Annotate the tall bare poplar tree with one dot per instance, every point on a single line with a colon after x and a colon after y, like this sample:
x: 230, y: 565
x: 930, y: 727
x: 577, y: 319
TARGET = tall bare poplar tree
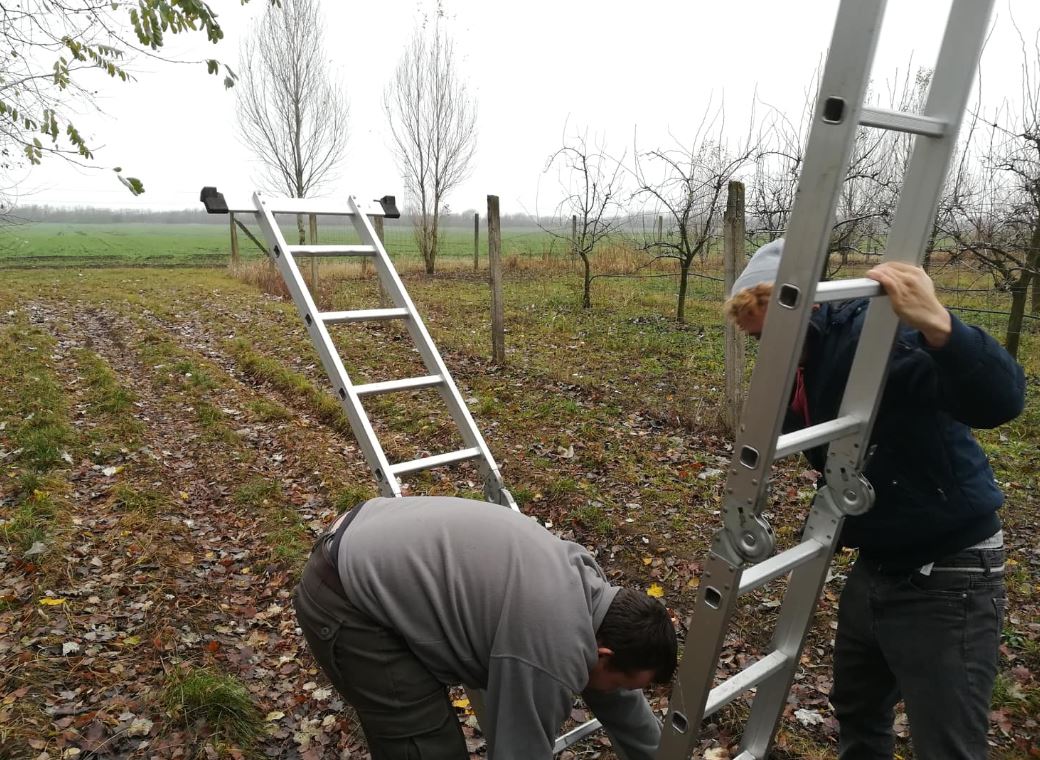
x: 291, y: 112
x: 433, y: 121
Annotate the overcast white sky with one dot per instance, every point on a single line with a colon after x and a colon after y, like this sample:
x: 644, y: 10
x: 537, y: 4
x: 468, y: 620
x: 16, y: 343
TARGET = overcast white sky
x: 533, y: 66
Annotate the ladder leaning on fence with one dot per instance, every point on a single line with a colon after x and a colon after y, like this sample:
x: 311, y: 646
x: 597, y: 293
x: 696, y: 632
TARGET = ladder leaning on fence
x: 319, y: 323
x: 746, y: 536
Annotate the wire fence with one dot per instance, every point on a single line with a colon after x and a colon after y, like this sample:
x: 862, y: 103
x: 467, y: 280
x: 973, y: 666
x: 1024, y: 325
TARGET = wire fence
x: 964, y: 285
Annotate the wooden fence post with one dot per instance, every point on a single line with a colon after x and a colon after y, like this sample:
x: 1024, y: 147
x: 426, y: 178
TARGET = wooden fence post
x: 498, y: 338
x: 234, y: 240
x: 313, y: 222
x: 1035, y: 308
x: 476, y: 240
x: 733, y: 254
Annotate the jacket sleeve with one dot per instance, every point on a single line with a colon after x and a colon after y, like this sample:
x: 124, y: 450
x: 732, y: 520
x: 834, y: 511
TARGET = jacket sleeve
x: 972, y: 377
x: 525, y: 708
x: 628, y: 720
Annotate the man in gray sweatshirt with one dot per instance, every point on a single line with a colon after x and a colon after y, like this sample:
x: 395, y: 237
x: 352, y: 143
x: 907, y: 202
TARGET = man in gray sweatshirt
x: 406, y: 596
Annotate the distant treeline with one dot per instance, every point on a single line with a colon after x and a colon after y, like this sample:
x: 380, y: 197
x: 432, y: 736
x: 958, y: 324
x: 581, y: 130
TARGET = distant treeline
x: 88, y: 215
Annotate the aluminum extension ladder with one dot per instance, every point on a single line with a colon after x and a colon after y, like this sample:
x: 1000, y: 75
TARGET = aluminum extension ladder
x: 746, y: 536
x: 284, y: 255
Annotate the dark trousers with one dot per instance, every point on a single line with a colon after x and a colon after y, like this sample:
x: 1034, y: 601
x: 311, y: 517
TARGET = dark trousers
x: 405, y: 712
x: 931, y: 640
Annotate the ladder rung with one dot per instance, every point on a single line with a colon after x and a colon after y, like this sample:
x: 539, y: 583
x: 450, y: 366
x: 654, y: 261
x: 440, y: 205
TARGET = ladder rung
x: 332, y: 250
x: 323, y: 206
x: 575, y: 735
x: 814, y: 435
x: 748, y: 678
x: 435, y: 461
x: 406, y: 384
x: 900, y: 121
x: 779, y: 564
x: 844, y: 290
x: 361, y: 315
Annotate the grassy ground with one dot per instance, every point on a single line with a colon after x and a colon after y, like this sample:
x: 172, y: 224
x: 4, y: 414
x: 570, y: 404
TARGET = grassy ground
x: 169, y: 451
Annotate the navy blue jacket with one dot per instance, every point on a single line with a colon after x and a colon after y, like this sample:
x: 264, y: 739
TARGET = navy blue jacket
x: 935, y: 491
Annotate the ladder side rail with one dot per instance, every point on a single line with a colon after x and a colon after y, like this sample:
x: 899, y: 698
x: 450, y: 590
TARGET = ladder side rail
x: 915, y: 214
x: 707, y: 629
x: 494, y: 487
x: 796, y: 616
x: 699, y: 663
x: 827, y: 155
x: 322, y: 341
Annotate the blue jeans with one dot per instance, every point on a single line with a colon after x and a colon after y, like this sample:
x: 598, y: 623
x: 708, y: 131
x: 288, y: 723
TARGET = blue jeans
x: 930, y: 640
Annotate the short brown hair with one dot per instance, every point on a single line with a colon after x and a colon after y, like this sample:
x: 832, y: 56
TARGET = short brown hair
x: 639, y: 630
x: 753, y: 299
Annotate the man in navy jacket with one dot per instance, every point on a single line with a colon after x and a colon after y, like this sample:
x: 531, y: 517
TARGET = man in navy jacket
x: 922, y: 609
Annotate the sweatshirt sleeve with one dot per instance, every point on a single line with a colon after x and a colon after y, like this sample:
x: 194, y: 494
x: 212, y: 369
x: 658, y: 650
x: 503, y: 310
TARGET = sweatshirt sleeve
x: 628, y: 720
x: 525, y: 708
x: 979, y: 383
x: 971, y: 378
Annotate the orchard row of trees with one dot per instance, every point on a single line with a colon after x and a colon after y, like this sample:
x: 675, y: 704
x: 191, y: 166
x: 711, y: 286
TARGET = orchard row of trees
x: 988, y: 214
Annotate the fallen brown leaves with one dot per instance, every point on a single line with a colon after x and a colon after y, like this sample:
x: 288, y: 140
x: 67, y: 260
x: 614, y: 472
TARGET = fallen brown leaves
x: 168, y: 559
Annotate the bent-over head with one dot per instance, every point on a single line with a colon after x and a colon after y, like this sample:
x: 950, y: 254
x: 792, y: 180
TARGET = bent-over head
x: 637, y: 644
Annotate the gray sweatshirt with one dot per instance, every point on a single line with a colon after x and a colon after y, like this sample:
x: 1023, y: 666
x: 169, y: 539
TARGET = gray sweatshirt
x: 488, y: 598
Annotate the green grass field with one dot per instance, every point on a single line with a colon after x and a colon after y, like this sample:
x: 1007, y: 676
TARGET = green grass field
x: 134, y: 244
x: 41, y: 244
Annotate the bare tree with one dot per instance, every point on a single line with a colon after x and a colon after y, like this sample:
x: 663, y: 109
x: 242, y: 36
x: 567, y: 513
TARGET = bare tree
x: 996, y: 218
x: 778, y: 164
x: 1017, y: 157
x: 291, y: 112
x: 433, y: 122
x: 592, y: 186
x: 687, y: 184
x: 872, y: 182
